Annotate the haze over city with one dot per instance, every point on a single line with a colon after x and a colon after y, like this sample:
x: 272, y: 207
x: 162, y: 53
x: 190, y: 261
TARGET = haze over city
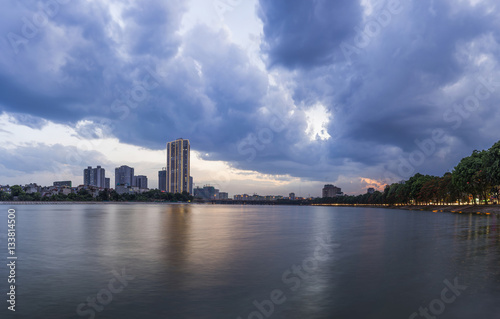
x: 274, y: 96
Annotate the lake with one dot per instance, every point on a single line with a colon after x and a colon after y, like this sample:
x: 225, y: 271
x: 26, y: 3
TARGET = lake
x: 223, y: 261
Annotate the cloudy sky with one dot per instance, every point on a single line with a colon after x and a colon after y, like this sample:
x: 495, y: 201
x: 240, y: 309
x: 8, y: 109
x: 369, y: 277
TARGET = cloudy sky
x: 275, y: 95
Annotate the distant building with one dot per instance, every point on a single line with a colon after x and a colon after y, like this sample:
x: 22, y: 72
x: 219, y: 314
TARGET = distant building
x: 223, y: 195
x: 370, y: 190
x: 31, y: 188
x: 107, y: 182
x: 94, y: 177
x: 63, y: 183
x: 162, y: 180
x: 243, y: 197
x: 178, y: 166
x: 140, y: 181
x: 191, y: 185
x: 331, y: 191
x: 65, y: 190
x: 124, y: 189
x: 5, y: 188
x: 207, y: 192
x: 291, y: 196
x: 124, y: 175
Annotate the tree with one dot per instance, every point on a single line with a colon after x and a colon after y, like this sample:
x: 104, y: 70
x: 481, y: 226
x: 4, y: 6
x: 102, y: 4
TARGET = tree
x: 103, y: 195
x: 470, y: 176
x: 16, y: 190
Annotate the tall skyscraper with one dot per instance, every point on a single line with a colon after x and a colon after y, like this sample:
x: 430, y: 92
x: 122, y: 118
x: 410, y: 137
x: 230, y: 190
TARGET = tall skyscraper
x: 162, y: 180
x: 124, y: 175
x: 140, y: 181
x: 178, y: 166
x: 94, y: 177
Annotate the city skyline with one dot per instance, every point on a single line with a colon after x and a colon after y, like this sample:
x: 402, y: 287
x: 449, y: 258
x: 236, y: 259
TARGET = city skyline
x: 272, y: 100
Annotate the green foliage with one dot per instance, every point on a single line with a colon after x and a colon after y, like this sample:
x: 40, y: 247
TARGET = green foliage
x: 16, y: 190
x: 84, y: 195
x: 471, y: 176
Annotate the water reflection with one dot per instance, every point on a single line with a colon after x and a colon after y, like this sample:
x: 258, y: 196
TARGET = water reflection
x: 197, y: 261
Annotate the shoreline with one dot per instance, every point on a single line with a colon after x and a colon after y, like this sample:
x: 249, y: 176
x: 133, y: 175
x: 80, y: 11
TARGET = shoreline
x: 487, y: 210
x: 84, y: 203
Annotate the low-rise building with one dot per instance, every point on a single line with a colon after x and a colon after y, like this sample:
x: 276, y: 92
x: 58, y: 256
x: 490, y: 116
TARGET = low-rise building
x: 223, y: 195
x: 207, y: 192
x: 31, y: 188
x: 331, y: 191
x: 63, y: 183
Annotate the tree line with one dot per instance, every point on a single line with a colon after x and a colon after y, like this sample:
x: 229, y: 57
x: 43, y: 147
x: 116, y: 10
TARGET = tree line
x: 83, y: 195
x: 476, y: 180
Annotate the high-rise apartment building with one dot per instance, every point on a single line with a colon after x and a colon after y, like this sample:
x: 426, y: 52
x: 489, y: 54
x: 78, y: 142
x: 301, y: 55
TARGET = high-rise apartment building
x: 191, y: 185
x: 124, y: 175
x: 178, y: 166
x: 94, y: 177
x: 140, y: 181
x: 162, y: 180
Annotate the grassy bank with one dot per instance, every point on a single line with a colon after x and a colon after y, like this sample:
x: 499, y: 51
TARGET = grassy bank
x: 458, y: 209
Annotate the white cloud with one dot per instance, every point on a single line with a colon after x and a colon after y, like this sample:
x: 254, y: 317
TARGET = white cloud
x: 318, y: 118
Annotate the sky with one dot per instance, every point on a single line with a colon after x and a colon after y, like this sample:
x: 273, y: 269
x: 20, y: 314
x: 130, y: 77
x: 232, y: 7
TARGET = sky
x: 275, y: 96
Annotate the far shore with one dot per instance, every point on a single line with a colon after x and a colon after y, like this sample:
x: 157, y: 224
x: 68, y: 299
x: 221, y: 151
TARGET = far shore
x: 83, y: 203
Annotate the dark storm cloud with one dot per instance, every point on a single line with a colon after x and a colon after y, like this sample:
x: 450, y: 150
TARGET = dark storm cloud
x: 304, y: 33
x: 395, y: 88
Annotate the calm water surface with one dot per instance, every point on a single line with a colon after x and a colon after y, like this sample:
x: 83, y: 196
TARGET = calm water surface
x: 197, y: 261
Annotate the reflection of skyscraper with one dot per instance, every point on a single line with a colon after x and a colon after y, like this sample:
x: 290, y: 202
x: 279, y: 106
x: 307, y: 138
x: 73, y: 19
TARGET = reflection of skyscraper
x: 178, y: 166
x: 124, y: 175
